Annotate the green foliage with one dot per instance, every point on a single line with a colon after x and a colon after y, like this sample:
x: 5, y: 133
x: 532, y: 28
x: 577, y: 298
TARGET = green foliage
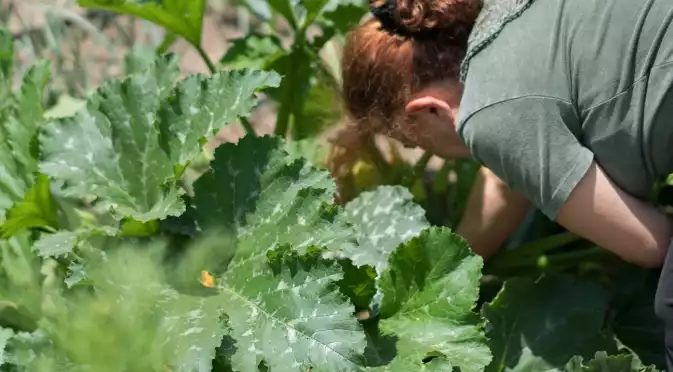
x: 112, y: 150
x: 311, y: 149
x: 429, y: 291
x: 633, y: 319
x: 182, y: 17
x: 541, y: 322
x: 98, y: 331
x: 308, y: 95
x: 264, y: 190
x: 37, y: 210
x: 254, y: 50
x: 296, y: 319
x: 6, y: 60
x: 604, y: 363
x: 5, y: 335
x: 24, y: 197
x: 246, y: 272
x: 383, y: 219
x: 139, y: 59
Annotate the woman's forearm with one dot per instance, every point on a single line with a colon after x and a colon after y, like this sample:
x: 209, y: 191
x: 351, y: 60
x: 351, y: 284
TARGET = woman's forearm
x: 598, y: 210
x: 492, y: 214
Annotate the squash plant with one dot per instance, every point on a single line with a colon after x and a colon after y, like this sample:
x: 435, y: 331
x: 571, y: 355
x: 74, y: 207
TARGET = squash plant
x: 108, y: 263
x: 253, y: 270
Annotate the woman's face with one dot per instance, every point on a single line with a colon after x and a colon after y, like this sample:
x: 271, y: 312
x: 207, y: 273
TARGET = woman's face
x: 431, y: 122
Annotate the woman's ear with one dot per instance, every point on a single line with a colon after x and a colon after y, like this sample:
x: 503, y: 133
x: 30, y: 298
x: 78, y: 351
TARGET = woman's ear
x: 427, y: 103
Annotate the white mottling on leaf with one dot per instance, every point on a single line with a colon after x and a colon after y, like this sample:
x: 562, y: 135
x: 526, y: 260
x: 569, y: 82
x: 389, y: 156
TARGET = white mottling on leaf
x: 291, y: 336
x: 192, y: 331
x: 281, y: 285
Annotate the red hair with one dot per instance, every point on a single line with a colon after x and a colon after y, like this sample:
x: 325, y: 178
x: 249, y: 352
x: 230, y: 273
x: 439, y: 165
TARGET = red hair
x: 381, y: 68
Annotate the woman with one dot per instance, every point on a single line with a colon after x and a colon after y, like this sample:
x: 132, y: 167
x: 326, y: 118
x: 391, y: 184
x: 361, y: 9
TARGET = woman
x: 568, y: 102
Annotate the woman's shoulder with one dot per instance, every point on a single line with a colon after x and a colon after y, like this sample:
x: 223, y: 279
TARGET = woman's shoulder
x: 494, y: 16
x: 513, y: 53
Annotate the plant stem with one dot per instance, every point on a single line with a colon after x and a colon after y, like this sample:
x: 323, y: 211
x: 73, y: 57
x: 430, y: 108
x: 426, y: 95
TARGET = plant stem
x: 535, y: 249
x: 206, y: 59
x: 287, y: 103
x: 284, y: 112
x: 247, y: 125
x: 168, y: 40
x: 422, y: 163
x: 555, y: 262
x: 573, y: 258
x: 374, y: 154
x: 441, y: 182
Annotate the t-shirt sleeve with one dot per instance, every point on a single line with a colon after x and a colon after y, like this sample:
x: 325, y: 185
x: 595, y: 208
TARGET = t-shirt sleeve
x: 528, y: 143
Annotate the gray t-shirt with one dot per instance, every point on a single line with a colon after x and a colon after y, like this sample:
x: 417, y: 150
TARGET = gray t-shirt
x: 570, y: 81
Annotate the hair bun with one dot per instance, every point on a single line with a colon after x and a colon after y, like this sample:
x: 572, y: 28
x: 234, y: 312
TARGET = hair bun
x: 449, y: 18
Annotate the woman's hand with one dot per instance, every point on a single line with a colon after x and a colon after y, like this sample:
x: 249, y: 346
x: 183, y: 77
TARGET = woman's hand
x: 492, y: 214
x: 598, y: 210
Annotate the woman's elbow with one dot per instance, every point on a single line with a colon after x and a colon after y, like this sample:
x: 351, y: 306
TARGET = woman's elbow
x: 652, y: 262
x: 651, y: 254
x: 657, y: 244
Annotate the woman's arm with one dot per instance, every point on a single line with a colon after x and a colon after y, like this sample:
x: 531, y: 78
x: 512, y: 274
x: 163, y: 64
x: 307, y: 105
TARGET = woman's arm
x: 528, y: 143
x: 492, y: 214
x: 601, y: 212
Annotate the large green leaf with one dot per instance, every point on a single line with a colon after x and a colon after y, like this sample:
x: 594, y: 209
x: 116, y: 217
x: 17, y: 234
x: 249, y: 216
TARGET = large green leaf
x: 430, y: 289
x: 200, y: 107
x: 625, y: 362
x: 183, y: 17
x: 268, y: 199
x: 20, y: 120
x: 539, y: 326
x: 112, y: 149
x: 131, y: 143
x: 383, y: 219
x: 289, y: 313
